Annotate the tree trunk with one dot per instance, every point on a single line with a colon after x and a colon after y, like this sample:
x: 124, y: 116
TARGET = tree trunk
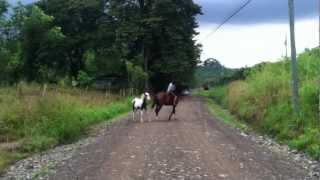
x: 76, y: 62
x: 144, y: 51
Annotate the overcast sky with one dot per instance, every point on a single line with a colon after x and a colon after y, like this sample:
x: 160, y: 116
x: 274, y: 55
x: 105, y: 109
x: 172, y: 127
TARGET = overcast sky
x: 256, y: 34
x: 23, y: 1
x: 258, y: 11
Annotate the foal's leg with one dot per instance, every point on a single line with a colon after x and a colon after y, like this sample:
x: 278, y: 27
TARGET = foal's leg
x: 147, y: 114
x: 133, y: 113
x: 141, y: 115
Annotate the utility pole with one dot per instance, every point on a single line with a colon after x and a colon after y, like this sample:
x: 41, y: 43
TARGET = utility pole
x: 286, y: 44
x: 295, y: 83
x: 319, y: 22
x: 319, y: 74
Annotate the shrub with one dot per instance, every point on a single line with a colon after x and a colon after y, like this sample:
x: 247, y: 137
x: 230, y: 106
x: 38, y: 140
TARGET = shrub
x: 84, y: 79
x: 137, y: 76
x: 38, y: 143
x: 309, y: 141
x: 62, y: 116
x: 264, y: 100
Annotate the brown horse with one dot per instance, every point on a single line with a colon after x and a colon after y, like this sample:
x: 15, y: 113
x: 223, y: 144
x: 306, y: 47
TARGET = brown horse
x: 165, y: 99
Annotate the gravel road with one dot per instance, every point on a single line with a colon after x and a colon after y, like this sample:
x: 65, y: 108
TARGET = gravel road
x: 194, y: 146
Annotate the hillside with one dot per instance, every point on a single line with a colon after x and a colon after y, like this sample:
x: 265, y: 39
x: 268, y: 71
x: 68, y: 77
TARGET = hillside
x: 212, y: 73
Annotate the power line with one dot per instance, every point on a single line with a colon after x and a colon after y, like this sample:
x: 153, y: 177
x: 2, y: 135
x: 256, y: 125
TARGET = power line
x: 227, y: 19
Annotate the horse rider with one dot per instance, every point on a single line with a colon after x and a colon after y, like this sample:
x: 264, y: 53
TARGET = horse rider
x: 171, y: 89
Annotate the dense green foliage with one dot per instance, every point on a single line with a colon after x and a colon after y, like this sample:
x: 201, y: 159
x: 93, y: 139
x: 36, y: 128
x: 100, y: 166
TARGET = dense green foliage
x: 264, y: 101
x: 64, y: 39
x: 81, y: 42
x: 212, y: 73
x: 62, y: 116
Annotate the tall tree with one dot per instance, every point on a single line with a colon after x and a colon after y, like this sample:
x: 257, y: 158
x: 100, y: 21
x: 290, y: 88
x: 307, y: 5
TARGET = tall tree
x: 20, y: 13
x: 159, y: 35
x: 176, y: 52
x: 103, y: 36
x: 3, y: 9
x: 41, y: 44
x: 79, y: 22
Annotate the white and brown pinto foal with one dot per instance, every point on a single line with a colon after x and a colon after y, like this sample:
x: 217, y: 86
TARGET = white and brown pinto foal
x: 140, y: 104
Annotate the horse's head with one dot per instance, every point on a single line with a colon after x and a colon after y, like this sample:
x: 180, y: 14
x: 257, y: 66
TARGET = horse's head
x: 147, y: 96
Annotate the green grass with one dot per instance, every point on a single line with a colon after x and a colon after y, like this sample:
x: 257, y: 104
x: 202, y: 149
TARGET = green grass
x: 62, y: 116
x: 221, y: 113
x: 263, y: 100
x: 6, y: 158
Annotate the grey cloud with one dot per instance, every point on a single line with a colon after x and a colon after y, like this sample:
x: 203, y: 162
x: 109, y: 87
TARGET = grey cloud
x: 258, y: 11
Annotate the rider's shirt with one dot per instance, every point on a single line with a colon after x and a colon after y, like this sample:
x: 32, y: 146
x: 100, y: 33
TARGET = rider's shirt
x: 171, y: 87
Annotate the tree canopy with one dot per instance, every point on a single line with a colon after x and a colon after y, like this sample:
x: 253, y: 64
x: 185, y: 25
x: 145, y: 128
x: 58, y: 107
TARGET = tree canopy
x: 57, y: 39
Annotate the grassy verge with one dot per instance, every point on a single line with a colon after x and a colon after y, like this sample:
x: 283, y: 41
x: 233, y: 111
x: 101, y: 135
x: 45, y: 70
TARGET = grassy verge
x: 263, y: 101
x: 41, y: 122
x: 221, y: 113
x: 7, y: 158
x: 287, y: 129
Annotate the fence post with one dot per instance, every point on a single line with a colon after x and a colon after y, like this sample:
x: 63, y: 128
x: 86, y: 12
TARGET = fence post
x: 106, y: 93
x: 19, y: 90
x: 44, y: 90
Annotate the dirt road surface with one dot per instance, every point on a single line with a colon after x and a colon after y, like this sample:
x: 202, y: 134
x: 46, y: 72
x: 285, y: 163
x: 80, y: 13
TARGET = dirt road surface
x: 195, y: 146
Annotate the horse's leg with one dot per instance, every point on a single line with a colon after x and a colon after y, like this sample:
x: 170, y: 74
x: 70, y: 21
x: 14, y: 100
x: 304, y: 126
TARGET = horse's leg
x: 158, y: 108
x: 157, y: 111
x: 173, y: 112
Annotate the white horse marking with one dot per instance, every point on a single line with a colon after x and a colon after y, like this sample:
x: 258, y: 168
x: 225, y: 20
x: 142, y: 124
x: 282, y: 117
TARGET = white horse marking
x: 141, y: 105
